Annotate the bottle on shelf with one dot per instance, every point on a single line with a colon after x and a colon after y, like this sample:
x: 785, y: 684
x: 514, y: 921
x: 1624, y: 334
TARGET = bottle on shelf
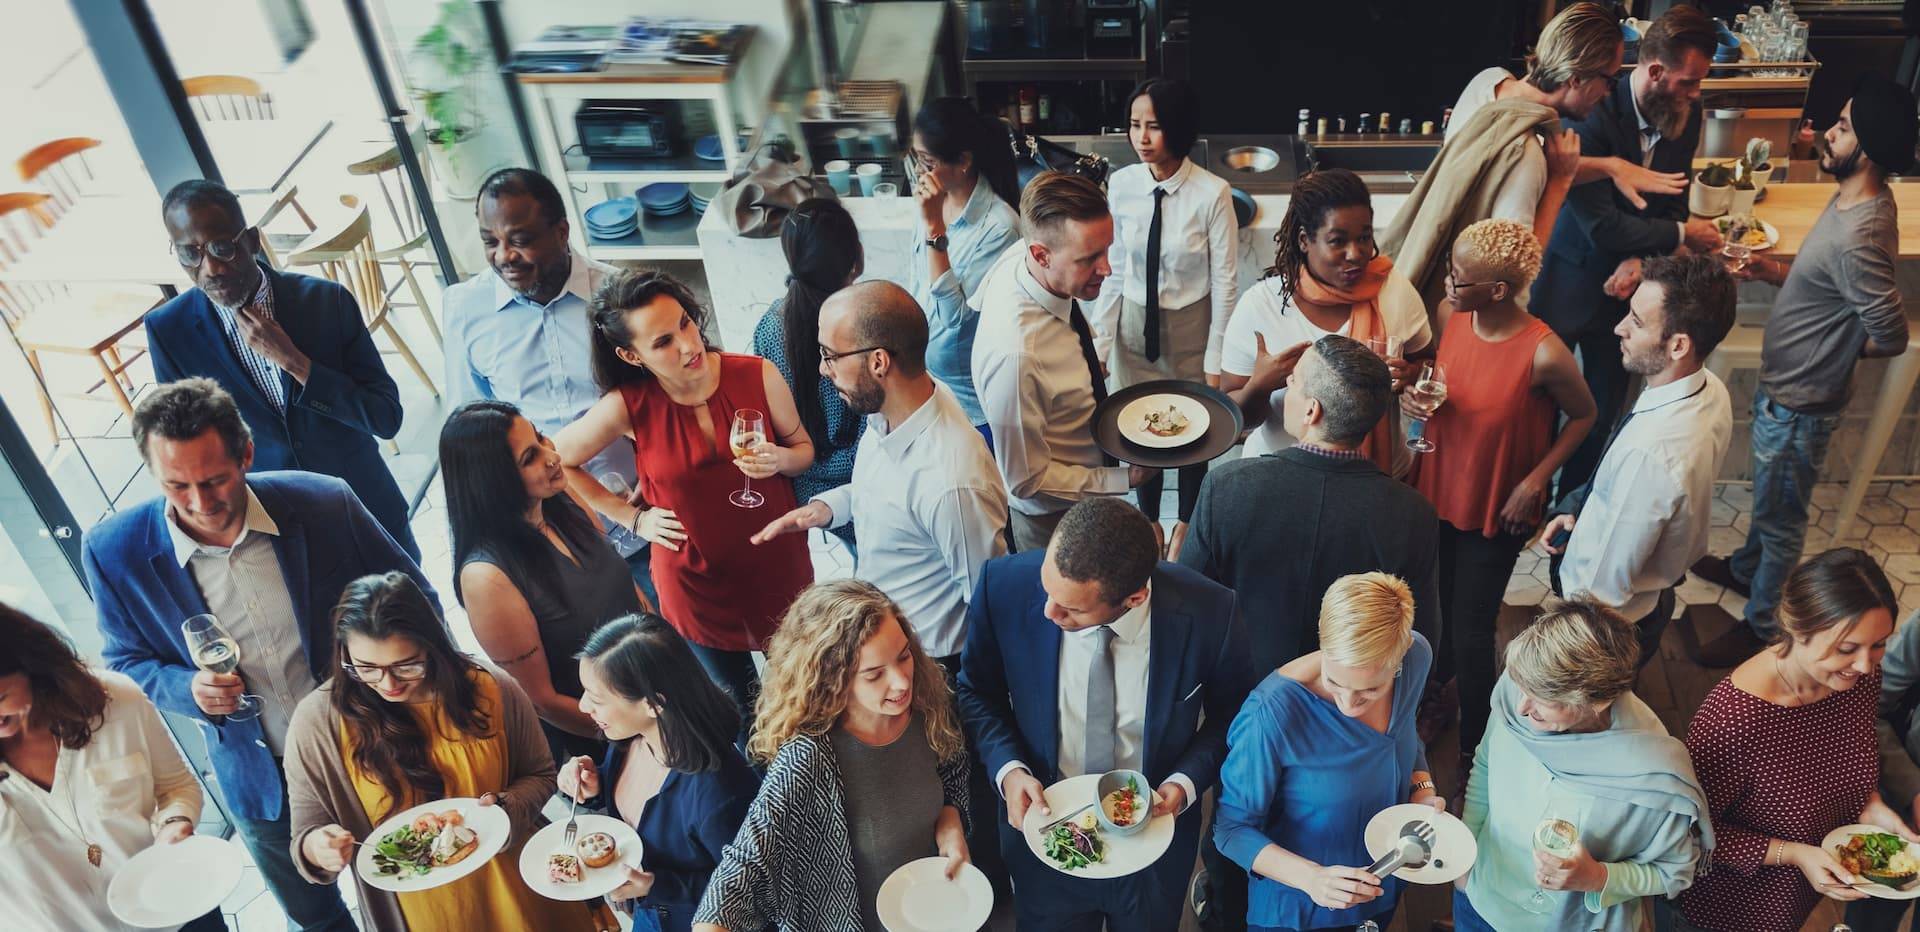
x: 1029, y: 106
x: 1305, y: 114
x: 1385, y: 121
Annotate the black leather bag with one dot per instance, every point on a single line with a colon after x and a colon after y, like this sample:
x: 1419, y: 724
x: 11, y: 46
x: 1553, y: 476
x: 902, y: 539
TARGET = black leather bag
x: 1033, y: 155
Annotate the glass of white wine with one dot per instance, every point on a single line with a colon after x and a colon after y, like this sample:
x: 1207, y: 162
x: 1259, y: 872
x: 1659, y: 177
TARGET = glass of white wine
x: 214, y: 650
x: 1429, y: 392
x: 1556, y: 834
x: 749, y: 429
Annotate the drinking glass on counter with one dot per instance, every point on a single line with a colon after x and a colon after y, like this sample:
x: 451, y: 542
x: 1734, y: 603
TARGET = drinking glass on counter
x: 1428, y: 391
x: 215, y: 651
x: 886, y: 189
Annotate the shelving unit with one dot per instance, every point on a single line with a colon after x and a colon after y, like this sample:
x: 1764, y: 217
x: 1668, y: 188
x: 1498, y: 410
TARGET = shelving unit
x: 553, y: 99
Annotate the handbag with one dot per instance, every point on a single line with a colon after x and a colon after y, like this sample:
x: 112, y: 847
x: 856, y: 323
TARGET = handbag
x: 774, y: 181
x: 1033, y: 155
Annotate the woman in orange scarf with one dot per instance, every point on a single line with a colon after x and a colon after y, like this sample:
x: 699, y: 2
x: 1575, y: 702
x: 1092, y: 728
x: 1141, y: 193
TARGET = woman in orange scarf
x: 1327, y: 277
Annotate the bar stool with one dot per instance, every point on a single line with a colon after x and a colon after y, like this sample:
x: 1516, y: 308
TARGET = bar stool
x: 1896, y: 386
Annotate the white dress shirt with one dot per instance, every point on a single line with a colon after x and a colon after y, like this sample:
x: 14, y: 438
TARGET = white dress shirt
x: 245, y: 589
x: 1647, y: 518
x: 1131, y: 650
x: 116, y: 793
x: 1199, y: 244
x: 928, y: 509
x: 1036, y: 392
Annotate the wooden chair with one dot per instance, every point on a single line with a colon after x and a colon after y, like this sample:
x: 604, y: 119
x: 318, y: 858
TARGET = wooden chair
x: 385, y: 169
x: 345, y: 253
x: 228, y: 97
x: 59, y: 167
x: 64, y: 320
x: 274, y: 245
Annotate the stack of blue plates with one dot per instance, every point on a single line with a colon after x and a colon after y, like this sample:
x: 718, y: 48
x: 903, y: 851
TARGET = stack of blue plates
x: 613, y: 219
x: 703, y: 194
x: 665, y: 199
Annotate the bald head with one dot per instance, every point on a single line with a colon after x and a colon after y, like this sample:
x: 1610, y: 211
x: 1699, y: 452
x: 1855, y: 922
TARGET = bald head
x: 877, y: 314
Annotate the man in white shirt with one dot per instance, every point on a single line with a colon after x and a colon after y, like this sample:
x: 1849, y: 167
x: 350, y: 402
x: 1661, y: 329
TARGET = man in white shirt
x: 1034, y: 364
x: 1095, y: 656
x: 1643, y: 519
x: 925, y: 500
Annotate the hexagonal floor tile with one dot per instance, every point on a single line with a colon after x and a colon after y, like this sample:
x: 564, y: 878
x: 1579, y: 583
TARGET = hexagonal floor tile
x: 1725, y: 540
x: 1906, y: 493
x: 1882, y: 511
x: 1722, y: 514
x: 1695, y: 591
x: 1896, y: 539
x: 1828, y: 494
x: 1737, y: 494
x: 1526, y: 592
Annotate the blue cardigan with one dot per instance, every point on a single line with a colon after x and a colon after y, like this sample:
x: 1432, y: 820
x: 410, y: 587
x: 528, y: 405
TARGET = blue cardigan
x: 142, y: 594
x: 683, y: 830
x: 333, y: 424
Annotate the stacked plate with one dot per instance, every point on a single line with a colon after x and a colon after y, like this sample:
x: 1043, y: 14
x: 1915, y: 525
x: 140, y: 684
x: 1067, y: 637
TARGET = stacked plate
x: 665, y: 199
x: 703, y: 194
x: 613, y: 219
x: 707, y: 149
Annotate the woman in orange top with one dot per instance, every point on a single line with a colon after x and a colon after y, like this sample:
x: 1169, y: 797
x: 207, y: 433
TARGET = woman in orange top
x: 1508, y: 379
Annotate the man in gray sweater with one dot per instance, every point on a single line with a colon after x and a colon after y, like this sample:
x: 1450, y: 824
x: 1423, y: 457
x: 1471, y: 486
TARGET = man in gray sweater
x: 1838, y: 303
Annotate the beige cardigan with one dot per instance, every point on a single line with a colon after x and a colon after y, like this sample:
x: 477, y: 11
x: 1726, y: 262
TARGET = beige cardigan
x: 320, y: 790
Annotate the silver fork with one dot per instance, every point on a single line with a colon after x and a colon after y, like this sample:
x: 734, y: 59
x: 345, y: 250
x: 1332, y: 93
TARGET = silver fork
x: 573, y: 823
x: 1411, y: 849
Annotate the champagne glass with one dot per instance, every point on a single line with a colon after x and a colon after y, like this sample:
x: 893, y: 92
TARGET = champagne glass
x: 1556, y: 834
x: 214, y: 650
x: 749, y: 429
x: 1429, y: 391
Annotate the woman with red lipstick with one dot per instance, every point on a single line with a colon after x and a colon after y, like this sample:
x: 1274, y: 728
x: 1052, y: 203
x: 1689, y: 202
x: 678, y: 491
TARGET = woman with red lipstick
x: 677, y: 398
x: 866, y: 770
x: 534, y: 571
x: 408, y: 719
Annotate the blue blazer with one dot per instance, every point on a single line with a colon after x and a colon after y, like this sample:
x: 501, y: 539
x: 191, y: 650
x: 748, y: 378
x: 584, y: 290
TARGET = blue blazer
x: 334, y: 423
x: 142, y: 594
x: 1198, y: 661
x: 1598, y: 228
x: 683, y: 830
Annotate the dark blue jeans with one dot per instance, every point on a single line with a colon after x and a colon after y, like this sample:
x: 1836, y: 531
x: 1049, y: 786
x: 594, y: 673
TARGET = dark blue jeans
x: 733, y: 671
x: 1788, y: 450
x: 309, y: 907
x: 640, y: 566
x: 1464, y: 918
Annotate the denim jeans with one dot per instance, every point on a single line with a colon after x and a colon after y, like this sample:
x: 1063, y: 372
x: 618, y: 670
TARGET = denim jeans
x: 1788, y: 450
x: 1464, y: 918
x: 309, y: 907
x: 733, y: 671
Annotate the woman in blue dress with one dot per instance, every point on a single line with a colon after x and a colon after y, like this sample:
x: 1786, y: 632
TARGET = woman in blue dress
x: 1323, y: 744
x: 672, y: 771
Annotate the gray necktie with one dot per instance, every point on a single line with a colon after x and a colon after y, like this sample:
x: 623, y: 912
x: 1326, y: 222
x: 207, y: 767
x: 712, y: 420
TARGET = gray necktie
x: 1103, y: 722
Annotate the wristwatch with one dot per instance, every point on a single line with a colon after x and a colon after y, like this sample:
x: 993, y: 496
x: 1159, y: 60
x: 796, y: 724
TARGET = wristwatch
x: 938, y: 242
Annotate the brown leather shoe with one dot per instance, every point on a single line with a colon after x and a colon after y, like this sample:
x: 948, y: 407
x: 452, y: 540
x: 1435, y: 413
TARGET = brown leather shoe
x: 1717, y: 571
x: 1729, y: 649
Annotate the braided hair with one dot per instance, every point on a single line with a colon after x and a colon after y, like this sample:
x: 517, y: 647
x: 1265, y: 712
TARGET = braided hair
x: 1314, y: 196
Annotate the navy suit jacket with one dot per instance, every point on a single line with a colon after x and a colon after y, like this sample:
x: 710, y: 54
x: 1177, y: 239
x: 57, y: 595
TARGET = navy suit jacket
x: 333, y: 424
x: 1598, y: 229
x: 1198, y: 661
x: 142, y: 594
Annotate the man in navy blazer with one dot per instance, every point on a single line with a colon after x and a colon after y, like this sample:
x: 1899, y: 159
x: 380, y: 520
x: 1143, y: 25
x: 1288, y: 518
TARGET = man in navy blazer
x: 268, y: 555
x: 1592, y: 261
x: 292, y: 349
x: 1092, y: 656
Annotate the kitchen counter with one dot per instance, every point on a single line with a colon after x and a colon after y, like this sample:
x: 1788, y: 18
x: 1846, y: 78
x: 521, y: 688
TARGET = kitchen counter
x: 1793, y: 207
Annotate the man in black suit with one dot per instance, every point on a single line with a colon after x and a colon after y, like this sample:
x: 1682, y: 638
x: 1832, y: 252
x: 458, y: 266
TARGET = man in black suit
x: 1593, y: 260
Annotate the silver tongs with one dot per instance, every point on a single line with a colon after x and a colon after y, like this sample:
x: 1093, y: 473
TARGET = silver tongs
x: 1411, y: 849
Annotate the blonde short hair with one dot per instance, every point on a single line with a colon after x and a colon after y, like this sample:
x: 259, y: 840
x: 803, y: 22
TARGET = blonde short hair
x: 1577, y: 653
x: 1505, y: 248
x: 1052, y: 198
x: 1579, y: 43
x: 1366, y: 620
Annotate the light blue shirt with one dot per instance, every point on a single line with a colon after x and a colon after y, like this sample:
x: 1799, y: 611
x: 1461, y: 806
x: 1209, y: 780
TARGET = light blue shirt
x: 975, y: 239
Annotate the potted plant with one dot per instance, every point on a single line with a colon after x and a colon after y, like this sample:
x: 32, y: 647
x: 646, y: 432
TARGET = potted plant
x: 1740, y: 203
x: 1712, y: 192
x: 448, y: 61
x: 1760, y: 162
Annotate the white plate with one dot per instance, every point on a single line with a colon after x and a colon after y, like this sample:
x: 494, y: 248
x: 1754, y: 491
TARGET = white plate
x: 919, y: 898
x: 594, y: 881
x: 1453, y: 846
x: 1839, y: 837
x: 489, y: 822
x: 1133, y: 420
x: 169, y: 885
x: 1125, y: 855
x: 1773, y: 232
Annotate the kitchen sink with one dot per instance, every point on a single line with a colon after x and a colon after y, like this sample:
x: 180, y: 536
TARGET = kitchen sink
x: 1387, y: 157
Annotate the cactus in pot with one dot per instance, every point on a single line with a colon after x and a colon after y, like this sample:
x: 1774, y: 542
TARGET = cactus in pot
x: 1760, y: 160
x: 1711, y: 194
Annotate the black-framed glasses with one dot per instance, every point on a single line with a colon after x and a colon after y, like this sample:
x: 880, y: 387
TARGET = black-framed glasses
x: 405, y: 672
x: 829, y: 357
x: 190, y: 255
x: 1458, y: 285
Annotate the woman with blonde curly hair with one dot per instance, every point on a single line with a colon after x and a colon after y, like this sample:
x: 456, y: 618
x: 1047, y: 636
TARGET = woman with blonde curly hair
x: 867, y: 769
x: 1509, y: 379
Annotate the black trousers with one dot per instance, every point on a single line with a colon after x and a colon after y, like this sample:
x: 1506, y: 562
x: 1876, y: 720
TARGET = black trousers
x: 1474, y: 570
x: 1607, y: 380
x: 1148, y: 493
x: 1648, y: 628
x: 983, y: 808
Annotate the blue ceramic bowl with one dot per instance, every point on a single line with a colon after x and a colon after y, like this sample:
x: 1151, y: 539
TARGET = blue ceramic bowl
x: 1244, y: 208
x: 1114, y: 780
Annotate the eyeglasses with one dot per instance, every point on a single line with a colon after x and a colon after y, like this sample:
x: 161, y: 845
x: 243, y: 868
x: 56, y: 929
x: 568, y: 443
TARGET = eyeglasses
x: 829, y: 357
x: 1458, y: 285
x: 405, y: 672
x: 191, y: 255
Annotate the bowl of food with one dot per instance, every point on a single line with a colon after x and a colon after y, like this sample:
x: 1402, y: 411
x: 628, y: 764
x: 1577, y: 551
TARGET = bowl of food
x: 1881, y: 857
x: 1126, y: 801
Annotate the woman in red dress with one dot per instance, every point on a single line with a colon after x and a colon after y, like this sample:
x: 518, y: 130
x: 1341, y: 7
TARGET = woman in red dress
x: 677, y: 398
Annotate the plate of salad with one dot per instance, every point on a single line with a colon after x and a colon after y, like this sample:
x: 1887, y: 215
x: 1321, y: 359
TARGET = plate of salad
x: 1082, y: 846
x: 431, y: 845
x: 1887, y: 865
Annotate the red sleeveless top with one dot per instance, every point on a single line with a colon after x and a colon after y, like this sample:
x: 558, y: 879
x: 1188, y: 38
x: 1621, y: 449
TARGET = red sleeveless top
x: 718, y: 590
x: 1493, y: 429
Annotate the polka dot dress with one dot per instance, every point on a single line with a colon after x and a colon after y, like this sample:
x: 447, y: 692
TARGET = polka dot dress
x: 1775, y: 772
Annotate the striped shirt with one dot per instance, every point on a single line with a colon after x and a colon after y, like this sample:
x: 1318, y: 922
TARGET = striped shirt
x: 266, y: 375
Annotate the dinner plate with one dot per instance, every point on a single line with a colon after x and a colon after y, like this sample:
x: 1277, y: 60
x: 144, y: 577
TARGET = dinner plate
x: 1222, y: 429
x: 1453, y: 846
x: 919, y: 898
x: 708, y: 149
x: 1838, y: 838
x: 1133, y: 420
x: 610, y: 214
x: 663, y: 195
x: 594, y: 881
x: 1773, y: 233
x: 169, y: 885
x: 489, y: 822
x: 1126, y: 855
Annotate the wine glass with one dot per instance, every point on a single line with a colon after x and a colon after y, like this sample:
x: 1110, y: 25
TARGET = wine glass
x: 1558, y: 835
x: 749, y: 429
x: 214, y: 650
x: 1429, y: 391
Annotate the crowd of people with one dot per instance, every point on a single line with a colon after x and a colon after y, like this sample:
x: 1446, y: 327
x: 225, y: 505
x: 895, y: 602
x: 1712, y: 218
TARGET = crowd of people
x: 629, y: 509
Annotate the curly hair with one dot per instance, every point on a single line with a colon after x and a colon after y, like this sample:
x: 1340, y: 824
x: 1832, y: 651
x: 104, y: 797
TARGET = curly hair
x: 1314, y: 197
x: 810, y: 667
x: 1505, y: 248
x: 1577, y: 653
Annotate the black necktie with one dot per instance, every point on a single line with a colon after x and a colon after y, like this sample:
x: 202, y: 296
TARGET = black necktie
x: 1153, y: 279
x: 1085, y: 333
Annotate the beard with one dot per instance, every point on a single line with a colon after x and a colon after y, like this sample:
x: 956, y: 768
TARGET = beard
x: 548, y: 280
x: 1841, y: 169
x: 1667, y: 111
x: 1651, y: 362
x: 866, y: 396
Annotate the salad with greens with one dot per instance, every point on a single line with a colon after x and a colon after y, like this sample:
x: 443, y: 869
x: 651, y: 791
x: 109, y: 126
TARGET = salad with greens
x: 1076, y: 843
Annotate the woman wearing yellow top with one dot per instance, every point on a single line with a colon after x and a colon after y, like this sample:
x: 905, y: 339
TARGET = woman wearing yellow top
x: 407, y: 719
